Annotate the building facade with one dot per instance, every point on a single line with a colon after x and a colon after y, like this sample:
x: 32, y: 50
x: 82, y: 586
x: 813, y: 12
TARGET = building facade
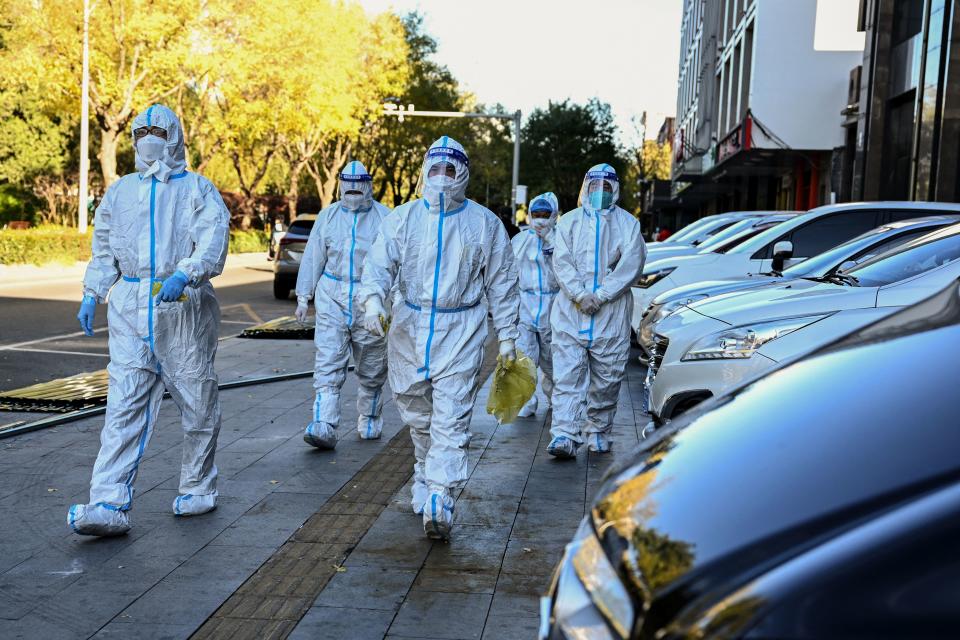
x: 903, y: 116
x: 760, y: 85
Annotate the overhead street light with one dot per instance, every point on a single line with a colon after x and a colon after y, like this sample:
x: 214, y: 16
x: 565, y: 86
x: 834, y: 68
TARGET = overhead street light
x: 409, y: 111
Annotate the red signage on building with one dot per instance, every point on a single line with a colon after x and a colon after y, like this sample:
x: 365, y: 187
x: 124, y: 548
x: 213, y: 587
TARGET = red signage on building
x: 738, y: 140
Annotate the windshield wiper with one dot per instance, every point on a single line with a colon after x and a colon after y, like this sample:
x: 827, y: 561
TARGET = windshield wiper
x: 842, y: 278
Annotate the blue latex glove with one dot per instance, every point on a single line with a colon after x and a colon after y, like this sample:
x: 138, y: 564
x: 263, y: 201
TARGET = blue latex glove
x: 87, y: 310
x: 172, y: 287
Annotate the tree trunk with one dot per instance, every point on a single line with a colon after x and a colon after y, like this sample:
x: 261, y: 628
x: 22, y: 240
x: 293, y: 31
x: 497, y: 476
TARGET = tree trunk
x: 293, y: 191
x: 109, y: 139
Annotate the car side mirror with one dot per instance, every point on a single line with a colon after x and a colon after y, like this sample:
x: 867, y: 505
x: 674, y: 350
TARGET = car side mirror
x: 782, y: 251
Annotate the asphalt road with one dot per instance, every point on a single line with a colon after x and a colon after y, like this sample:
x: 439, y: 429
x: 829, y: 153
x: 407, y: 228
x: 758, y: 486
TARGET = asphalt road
x: 40, y: 338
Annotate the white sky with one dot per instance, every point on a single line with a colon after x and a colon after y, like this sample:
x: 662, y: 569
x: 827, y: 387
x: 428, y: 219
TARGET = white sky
x: 523, y: 53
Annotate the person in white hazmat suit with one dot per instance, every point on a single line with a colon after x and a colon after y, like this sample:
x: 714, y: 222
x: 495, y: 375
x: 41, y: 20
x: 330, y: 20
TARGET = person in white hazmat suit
x: 447, y: 254
x: 599, y: 252
x: 533, y: 248
x: 330, y: 275
x: 164, y: 225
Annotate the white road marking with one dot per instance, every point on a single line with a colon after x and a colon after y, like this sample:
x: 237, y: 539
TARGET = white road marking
x: 18, y: 345
x: 66, y: 353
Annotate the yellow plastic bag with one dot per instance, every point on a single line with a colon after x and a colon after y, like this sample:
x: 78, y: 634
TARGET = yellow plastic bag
x: 159, y: 285
x: 513, y: 385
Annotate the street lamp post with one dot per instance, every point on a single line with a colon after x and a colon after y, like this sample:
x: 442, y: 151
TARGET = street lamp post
x: 84, y: 121
x: 408, y: 111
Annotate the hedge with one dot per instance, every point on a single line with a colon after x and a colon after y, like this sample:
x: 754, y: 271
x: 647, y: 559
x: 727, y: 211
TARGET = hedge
x: 252, y: 241
x: 44, y: 245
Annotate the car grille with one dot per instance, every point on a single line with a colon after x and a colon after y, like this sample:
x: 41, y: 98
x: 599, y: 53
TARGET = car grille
x: 660, y: 344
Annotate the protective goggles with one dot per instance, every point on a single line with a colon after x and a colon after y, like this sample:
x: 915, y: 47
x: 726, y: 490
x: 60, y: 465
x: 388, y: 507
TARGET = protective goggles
x: 143, y: 132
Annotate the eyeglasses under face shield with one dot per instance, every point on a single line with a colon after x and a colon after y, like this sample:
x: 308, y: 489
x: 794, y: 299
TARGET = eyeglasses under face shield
x: 143, y: 132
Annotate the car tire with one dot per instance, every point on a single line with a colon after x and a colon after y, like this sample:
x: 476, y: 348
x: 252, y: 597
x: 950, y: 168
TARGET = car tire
x: 281, y: 290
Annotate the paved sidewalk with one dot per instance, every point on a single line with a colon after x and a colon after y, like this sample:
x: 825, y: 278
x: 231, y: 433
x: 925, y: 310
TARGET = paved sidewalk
x: 518, y: 510
x: 280, y: 501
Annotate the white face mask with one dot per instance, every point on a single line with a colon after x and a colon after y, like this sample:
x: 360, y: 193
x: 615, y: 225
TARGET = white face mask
x: 352, y: 201
x: 441, y: 182
x: 541, y: 225
x: 151, y: 148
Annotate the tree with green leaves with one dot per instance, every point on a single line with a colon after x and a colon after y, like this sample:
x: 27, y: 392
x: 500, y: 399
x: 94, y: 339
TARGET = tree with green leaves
x: 559, y: 143
x: 141, y: 52
x: 393, y: 150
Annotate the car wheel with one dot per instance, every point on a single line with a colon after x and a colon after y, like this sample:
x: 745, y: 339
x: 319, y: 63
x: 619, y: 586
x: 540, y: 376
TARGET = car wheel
x: 281, y: 290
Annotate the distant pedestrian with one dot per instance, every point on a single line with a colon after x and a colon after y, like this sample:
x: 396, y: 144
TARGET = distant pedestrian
x: 330, y: 275
x: 533, y: 248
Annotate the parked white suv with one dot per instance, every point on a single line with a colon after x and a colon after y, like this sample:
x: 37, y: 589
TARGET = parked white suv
x: 714, y: 345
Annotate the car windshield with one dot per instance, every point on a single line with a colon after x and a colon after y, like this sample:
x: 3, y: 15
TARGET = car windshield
x: 763, y: 239
x: 921, y: 255
x: 820, y: 264
x: 722, y: 236
x: 861, y: 248
x: 691, y: 229
x: 728, y: 243
x: 301, y: 227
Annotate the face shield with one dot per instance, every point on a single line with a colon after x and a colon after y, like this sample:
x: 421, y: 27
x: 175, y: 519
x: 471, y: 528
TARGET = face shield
x: 543, y: 213
x: 601, y: 188
x: 356, y: 187
x: 444, y: 175
x: 158, y: 142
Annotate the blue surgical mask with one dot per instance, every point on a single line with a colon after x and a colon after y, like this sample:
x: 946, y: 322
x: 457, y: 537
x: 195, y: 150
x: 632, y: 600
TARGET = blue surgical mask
x: 600, y: 199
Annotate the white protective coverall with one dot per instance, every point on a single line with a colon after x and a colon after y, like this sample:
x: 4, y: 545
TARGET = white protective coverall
x: 447, y: 254
x: 598, y: 250
x: 149, y: 225
x: 533, y: 248
x: 330, y: 275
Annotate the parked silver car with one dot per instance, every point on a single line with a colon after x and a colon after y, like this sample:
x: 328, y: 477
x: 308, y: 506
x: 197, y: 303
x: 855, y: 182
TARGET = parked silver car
x: 292, y: 245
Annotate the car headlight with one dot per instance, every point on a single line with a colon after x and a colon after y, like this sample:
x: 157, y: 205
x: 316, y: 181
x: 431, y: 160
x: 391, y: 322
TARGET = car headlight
x: 671, y: 307
x: 742, y: 342
x: 590, y: 598
x: 647, y: 280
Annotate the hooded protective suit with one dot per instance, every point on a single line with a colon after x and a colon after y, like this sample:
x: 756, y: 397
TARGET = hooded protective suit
x: 598, y: 254
x: 533, y: 248
x: 451, y: 260
x: 330, y: 274
x: 150, y: 226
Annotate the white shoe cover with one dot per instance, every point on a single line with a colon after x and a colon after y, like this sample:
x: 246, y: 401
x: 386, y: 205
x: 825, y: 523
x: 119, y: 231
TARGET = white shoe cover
x: 530, y: 409
x: 191, y: 505
x: 419, y: 495
x: 321, y: 435
x: 370, y: 428
x: 98, y: 520
x: 438, y: 516
x: 562, y: 447
x: 599, y: 443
